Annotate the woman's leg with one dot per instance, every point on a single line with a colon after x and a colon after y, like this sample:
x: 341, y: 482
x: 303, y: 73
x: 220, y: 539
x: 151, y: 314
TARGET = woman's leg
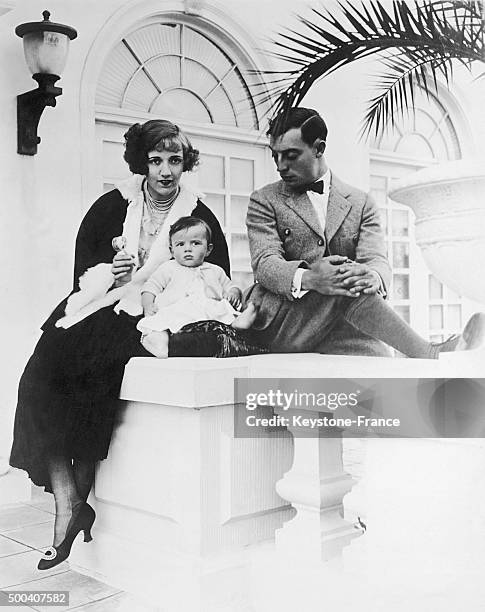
x: 372, y: 315
x: 83, y: 477
x: 67, y: 498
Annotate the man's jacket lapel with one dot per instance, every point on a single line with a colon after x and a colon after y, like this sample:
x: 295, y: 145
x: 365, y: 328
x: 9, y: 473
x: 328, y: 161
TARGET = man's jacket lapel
x: 338, y: 208
x: 300, y: 203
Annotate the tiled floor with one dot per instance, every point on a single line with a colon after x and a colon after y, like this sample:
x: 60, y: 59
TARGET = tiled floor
x: 25, y: 530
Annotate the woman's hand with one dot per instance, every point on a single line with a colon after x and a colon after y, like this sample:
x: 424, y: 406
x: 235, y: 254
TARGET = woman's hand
x: 234, y: 297
x: 123, y: 264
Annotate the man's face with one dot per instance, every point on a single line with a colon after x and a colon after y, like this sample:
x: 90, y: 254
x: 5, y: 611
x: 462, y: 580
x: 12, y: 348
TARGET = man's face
x: 298, y: 163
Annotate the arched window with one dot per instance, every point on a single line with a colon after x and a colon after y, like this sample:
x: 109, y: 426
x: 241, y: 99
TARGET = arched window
x: 174, y: 70
x: 187, y: 69
x: 427, y: 136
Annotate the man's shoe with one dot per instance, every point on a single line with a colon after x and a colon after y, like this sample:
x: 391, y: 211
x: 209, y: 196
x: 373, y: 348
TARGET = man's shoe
x: 473, y: 335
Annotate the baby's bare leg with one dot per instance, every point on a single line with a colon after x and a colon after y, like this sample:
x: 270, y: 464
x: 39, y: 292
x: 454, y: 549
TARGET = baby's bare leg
x: 247, y: 317
x: 156, y: 343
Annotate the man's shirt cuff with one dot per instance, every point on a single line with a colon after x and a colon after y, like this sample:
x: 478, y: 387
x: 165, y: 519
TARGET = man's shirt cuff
x: 382, y: 290
x: 296, y: 290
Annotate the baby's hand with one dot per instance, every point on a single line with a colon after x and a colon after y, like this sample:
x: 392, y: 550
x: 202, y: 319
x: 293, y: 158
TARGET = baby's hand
x: 234, y: 297
x: 150, y: 309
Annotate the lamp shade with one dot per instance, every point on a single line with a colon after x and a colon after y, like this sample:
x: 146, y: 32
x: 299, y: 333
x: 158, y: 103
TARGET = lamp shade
x: 46, y: 45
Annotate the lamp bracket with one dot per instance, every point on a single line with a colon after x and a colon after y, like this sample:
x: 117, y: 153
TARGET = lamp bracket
x: 30, y: 106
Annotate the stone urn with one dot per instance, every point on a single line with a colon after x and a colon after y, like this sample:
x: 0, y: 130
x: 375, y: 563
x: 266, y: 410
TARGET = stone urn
x: 449, y: 203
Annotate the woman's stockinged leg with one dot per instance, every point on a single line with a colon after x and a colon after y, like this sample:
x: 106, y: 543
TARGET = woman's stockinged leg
x: 66, y: 495
x: 83, y: 477
x: 372, y: 315
x: 73, y: 514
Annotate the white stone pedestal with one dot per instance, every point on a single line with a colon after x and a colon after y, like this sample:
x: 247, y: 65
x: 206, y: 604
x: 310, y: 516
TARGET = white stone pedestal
x: 187, y: 514
x: 180, y: 498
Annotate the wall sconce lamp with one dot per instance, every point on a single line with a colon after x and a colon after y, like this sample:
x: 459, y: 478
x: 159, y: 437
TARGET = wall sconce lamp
x: 45, y: 48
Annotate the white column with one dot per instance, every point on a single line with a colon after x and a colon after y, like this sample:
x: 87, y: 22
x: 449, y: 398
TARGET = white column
x: 315, y: 486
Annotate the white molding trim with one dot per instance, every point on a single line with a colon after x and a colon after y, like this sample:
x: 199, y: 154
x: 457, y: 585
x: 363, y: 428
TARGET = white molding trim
x: 121, y: 117
x: 212, y: 19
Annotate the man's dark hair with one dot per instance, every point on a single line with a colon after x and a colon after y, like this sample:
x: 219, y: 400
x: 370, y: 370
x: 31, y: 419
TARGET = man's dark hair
x: 184, y: 223
x: 307, y: 119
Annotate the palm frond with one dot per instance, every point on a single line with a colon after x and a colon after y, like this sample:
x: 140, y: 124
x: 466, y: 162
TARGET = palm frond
x: 423, y: 40
x: 397, y: 88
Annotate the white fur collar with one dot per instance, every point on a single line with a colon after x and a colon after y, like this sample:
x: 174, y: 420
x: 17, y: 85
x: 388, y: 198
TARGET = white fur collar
x: 94, y: 289
x: 130, y: 188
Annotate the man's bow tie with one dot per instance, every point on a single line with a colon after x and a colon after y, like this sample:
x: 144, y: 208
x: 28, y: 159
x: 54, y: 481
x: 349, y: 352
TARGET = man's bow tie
x: 317, y: 187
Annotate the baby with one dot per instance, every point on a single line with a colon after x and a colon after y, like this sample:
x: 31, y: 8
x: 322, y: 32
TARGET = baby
x: 187, y: 289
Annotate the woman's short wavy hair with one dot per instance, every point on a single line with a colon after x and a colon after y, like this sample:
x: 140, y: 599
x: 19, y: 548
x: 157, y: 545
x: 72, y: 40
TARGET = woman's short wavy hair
x: 156, y: 135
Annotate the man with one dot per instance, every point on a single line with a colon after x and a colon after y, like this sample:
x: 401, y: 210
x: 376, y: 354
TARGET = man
x: 318, y: 255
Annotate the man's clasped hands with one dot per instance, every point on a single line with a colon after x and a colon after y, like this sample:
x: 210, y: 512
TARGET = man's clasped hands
x: 339, y: 275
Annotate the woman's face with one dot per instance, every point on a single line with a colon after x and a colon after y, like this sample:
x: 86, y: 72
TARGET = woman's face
x: 164, y: 171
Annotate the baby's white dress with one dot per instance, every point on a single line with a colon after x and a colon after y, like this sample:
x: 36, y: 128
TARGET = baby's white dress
x: 186, y: 295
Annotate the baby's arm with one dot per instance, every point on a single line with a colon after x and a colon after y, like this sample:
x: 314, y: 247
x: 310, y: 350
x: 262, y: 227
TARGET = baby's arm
x: 232, y: 293
x: 153, y: 287
x: 148, y: 303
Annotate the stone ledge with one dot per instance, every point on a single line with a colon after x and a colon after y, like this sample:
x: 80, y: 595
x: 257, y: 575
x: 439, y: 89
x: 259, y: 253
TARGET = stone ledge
x: 198, y: 382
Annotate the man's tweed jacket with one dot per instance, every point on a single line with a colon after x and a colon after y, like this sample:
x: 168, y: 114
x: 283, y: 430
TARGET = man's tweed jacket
x: 284, y: 234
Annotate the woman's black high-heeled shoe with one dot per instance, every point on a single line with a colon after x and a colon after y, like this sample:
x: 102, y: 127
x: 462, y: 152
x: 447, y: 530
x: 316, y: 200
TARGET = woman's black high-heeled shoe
x: 57, y: 554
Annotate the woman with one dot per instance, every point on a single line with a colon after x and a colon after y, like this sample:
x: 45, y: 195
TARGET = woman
x: 68, y: 393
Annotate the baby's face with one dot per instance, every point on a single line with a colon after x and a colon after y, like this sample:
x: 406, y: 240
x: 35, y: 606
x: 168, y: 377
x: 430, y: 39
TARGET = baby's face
x: 189, y: 246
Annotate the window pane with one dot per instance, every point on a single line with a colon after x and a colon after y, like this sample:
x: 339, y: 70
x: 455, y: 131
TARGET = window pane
x: 453, y: 321
x: 215, y: 202
x: 383, y: 215
x: 113, y: 164
x: 452, y: 296
x: 239, y: 208
x: 436, y: 317
x: 400, y: 255
x: 378, y: 182
x: 435, y: 288
x: 242, y: 279
x: 240, y: 252
x: 400, y: 223
x: 400, y: 287
x: 403, y: 312
x: 242, y: 175
x: 211, y: 172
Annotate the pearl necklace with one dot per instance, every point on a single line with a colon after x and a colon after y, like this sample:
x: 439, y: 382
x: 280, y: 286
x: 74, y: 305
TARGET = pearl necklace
x: 156, y: 211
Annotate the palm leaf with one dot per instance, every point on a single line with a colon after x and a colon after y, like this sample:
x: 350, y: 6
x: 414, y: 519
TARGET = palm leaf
x: 397, y: 88
x: 423, y: 40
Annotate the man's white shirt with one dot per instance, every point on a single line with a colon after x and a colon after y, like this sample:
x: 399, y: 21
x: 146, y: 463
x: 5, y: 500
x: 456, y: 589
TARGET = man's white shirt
x: 320, y: 204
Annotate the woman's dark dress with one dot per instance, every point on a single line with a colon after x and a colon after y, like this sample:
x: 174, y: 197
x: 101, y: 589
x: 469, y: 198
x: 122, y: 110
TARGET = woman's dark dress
x: 68, y: 392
